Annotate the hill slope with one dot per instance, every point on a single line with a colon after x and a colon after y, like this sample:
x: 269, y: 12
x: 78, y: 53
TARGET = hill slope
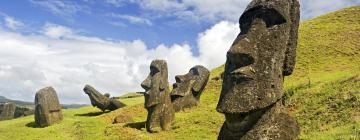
x: 323, y: 94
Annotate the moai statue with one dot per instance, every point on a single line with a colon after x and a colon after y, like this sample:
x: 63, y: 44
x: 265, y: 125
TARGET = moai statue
x: 47, y: 107
x: 103, y: 102
x: 7, y: 111
x: 262, y: 54
x: 188, y: 88
x: 157, y: 98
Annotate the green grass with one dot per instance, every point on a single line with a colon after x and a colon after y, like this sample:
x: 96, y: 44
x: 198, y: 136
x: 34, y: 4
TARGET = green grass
x: 323, y: 94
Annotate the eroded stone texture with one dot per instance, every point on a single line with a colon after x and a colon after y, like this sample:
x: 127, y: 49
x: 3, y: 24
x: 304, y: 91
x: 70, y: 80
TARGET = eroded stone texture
x: 262, y: 54
x: 103, y: 102
x: 157, y: 98
x: 23, y: 111
x: 188, y: 88
x: 7, y: 111
x: 47, y: 107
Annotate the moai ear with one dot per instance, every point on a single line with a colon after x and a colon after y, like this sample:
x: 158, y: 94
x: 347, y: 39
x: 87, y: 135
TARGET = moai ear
x: 200, y: 83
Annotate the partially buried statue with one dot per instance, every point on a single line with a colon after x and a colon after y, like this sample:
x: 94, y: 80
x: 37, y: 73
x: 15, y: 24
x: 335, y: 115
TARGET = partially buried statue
x: 7, y: 111
x: 262, y: 54
x: 157, y: 98
x: 188, y: 88
x: 47, y: 107
x: 103, y: 102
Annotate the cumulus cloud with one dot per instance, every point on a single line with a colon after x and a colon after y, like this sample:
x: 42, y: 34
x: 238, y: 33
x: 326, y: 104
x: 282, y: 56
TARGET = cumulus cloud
x: 67, y: 61
x: 132, y: 19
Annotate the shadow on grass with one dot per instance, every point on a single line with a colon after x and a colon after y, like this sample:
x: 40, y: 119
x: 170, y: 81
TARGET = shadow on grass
x: 136, y: 125
x: 32, y: 125
x: 91, y: 114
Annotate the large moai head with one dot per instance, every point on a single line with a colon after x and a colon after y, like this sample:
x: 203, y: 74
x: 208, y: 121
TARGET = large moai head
x: 260, y: 57
x: 7, y: 111
x: 102, y: 101
x: 188, y: 87
x: 156, y: 84
x: 47, y: 107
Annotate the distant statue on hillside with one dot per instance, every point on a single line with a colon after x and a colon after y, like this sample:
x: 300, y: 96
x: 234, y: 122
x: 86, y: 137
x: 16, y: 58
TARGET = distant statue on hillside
x: 157, y: 98
x: 47, y: 107
x: 188, y: 88
x: 7, y: 111
x: 103, y: 102
x: 262, y: 54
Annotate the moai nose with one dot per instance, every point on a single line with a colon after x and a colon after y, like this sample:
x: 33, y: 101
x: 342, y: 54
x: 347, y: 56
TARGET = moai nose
x: 146, y: 84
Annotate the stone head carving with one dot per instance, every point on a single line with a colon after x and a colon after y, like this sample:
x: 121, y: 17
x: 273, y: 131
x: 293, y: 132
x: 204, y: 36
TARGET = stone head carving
x: 262, y: 54
x: 156, y: 84
x: 101, y: 101
x: 7, y: 111
x: 157, y: 98
x: 188, y: 88
x: 260, y: 57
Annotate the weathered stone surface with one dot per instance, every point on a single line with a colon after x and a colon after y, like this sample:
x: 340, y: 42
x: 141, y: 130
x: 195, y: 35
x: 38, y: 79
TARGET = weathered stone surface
x: 122, y: 119
x: 157, y: 98
x: 103, y: 102
x: 23, y: 111
x: 260, y: 57
x: 188, y: 88
x: 47, y: 107
x: 7, y: 111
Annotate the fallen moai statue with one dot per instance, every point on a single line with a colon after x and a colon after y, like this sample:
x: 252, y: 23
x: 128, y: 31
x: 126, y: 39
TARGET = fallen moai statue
x: 47, y: 107
x: 157, y: 98
x: 103, y: 102
x: 7, y: 111
x: 262, y: 54
x: 189, y: 87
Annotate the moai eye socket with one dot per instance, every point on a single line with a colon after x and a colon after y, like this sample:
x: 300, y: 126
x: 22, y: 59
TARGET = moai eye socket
x: 153, y: 70
x: 240, y: 59
x: 270, y: 16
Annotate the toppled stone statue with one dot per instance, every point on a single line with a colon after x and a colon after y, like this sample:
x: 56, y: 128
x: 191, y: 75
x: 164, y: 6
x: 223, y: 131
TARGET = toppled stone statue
x: 262, y: 54
x: 101, y: 101
x: 188, y: 88
x: 7, y: 111
x: 47, y: 107
x: 21, y: 111
x: 157, y: 98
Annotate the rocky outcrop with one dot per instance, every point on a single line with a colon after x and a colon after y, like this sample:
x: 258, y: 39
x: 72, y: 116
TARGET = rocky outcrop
x: 47, y: 107
x: 157, y: 98
x: 262, y: 54
x: 103, y: 102
x: 189, y: 87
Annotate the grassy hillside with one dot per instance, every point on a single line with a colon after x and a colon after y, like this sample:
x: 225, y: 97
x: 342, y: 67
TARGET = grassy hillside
x: 323, y: 94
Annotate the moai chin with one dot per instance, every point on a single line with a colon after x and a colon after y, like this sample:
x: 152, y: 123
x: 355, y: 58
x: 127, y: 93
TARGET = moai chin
x: 47, y: 107
x: 103, y: 102
x: 262, y: 54
x: 157, y: 98
x: 189, y: 87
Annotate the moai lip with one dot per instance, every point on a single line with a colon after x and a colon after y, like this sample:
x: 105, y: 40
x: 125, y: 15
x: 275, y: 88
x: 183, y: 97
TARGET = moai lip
x: 47, y: 107
x: 262, y: 54
x: 189, y: 87
x: 103, y: 102
x: 157, y: 98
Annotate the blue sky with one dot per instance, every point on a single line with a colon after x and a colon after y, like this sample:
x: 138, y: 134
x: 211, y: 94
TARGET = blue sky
x: 110, y: 43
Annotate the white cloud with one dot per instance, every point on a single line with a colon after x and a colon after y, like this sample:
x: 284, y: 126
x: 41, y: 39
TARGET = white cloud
x: 312, y: 8
x: 61, y: 7
x: 132, y: 19
x: 67, y: 61
x: 116, y: 3
x: 56, y: 31
x: 11, y: 23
